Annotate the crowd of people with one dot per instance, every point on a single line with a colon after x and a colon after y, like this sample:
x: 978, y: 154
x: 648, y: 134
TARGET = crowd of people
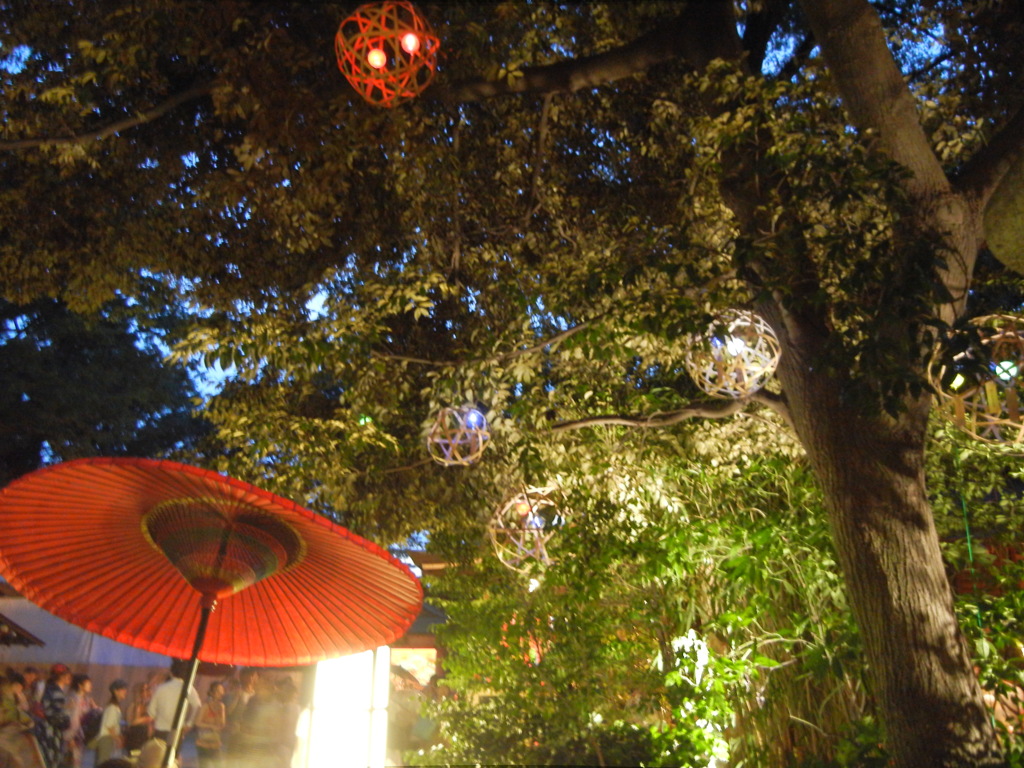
x: 51, y: 721
x: 43, y: 719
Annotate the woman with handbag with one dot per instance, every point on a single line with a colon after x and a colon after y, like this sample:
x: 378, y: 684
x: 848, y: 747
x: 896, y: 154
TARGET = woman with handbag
x: 140, y: 722
x: 209, y: 725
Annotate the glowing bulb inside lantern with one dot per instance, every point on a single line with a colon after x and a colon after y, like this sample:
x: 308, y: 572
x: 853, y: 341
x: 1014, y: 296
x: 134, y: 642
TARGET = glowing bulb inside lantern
x: 410, y: 42
x: 957, y: 382
x: 376, y: 58
x: 474, y: 419
x: 735, y: 346
x: 1006, y: 370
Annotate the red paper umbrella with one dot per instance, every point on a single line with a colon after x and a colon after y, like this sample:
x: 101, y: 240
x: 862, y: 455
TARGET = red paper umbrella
x: 192, y: 564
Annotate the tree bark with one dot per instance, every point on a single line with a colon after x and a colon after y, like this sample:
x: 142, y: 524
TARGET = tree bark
x: 872, y: 466
x: 872, y: 473
x: 685, y: 36
x: 111, y: 129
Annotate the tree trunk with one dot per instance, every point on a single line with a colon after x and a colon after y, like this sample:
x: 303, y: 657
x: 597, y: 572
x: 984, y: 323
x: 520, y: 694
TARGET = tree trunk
x: 872, y: 472
x: 871, y: 467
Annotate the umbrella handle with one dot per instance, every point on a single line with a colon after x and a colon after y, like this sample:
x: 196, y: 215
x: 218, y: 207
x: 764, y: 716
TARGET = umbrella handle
x: 179, y: 712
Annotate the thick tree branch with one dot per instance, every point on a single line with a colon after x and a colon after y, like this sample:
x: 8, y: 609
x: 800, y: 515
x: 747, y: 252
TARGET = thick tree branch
x: 112, y: 128
x: 456, y: 197
x: 406, y: 468
x: 414, y: 360
x: 929, y: 67
x: 982, y: 174
x: 557, y: 338
x: 994, y: 178
x: 1004, y: 217
x: 873, y: 89
x: 534, y: 202
x: 696, y: 35
x: 776, y: 403
x: 706, y: 409
x: 880, y: 104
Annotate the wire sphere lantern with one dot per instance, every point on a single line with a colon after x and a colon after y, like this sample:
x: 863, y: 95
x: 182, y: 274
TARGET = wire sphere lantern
x: 523, y: 525
x: 978, y: 381
x: 458, y: 436
x: 387, y: 51
x: 735, y: 357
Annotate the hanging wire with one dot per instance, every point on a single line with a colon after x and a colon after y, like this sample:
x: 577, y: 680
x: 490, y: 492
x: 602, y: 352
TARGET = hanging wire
x: 970, y: 546
x: 967, y: 524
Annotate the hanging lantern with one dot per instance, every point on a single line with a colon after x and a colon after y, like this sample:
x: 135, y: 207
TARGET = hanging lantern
x: 523, y: 525
x: 736, y: 356
x: 387, y: 51
x: 458, y: 436
x: 978, y: 381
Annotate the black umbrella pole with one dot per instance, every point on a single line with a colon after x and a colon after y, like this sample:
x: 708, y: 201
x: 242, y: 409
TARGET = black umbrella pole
x: 179, y: 712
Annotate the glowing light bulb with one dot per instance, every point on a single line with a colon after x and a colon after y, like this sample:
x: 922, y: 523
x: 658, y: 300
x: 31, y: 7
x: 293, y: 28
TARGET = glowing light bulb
x: 376, y: 58
x: 1006, y: 370
x: 364, y: 420
x: 410, y: 42
x: 474, y: 419
x: 735, y: 346
x: 957, y: 382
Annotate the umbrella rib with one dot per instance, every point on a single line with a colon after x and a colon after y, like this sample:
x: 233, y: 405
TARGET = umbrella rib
x: 366, y: 590
x: 354, y: 619
x: 313, y: 611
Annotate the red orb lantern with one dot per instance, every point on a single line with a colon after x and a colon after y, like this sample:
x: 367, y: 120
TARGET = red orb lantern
x: 387, y: 51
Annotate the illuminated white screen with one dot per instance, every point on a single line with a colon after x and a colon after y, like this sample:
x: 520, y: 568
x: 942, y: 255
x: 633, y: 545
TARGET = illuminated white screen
x: 348, y: 723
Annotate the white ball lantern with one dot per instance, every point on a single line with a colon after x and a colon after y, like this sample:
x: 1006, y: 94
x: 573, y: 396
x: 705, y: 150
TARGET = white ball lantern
x: 458, y: 436
x: 979, y: 388
x: 735, y: 357
x: 522, y: 527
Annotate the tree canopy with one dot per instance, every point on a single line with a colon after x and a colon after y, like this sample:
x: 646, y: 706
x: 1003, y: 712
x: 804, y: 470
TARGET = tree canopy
x: 538, y: 234
x: 74, y: 386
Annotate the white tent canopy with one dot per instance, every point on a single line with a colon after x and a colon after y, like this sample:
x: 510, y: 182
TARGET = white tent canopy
x: 97, y: 656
